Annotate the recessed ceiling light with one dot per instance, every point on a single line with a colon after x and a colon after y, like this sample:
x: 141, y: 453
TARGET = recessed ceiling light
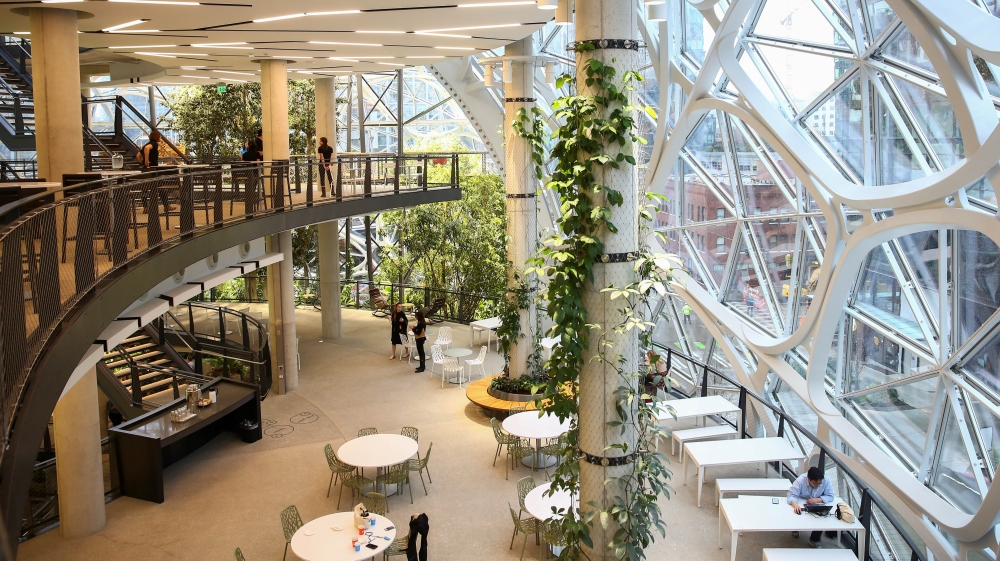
x: 60, y: 1
x: 191, y: 67
x: 144, y: 47
x: 22, y: 33
x: 114, y: 28
x: 337, y: 13
x: 198, y: 77
x: 223, y: 46
x: 443, y: 35
x: 498, y: 26
x: 492, y: 4
x: 171, y: 55
x: 230, y: 80
x: 374, y: 57
x: 276, y: 18
x: 422, y: 56
x: 347, y: 44
x: 233, y: 72
x: 390, y: 64
x: 169, y: 2
x: 457, y: 48
x: 136, y: 31
x: 156, y: 54
x: 374, y: 31
x: 342, y: 58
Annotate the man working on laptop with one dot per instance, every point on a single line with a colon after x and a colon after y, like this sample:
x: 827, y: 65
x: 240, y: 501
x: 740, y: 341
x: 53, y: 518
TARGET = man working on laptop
x: 810, y: 488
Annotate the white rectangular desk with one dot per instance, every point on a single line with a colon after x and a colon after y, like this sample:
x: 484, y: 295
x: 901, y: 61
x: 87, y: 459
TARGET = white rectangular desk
x: 695, y: 407
x: 487, y: 325
x: 809, y: 554
x: 760, y: 514
x: 729, y: 452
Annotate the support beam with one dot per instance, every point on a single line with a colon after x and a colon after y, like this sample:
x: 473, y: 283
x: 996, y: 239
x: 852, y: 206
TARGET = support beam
x: 274, y: 108
x: 281, y: 313
x: 362, y: 146
x: 521, y: 185
x: 55, y: 74
x: 76, y: 424
x: 612, y: 20
x: 329, y: 234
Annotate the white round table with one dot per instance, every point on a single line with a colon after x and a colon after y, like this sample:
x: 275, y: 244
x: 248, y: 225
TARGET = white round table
x: 457, y: 353
x: 530, y: 425
x: 540, y: 506
x: 377, y: 451
x: 326, y: 544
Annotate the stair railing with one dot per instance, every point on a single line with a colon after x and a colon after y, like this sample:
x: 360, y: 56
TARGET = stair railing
x: 125, y: 109
x: 19, y: 102
x: 16, y: 52
x: 89, y: 136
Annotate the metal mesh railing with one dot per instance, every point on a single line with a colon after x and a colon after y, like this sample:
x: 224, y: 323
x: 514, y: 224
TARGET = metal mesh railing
x: 887, y: 538
x: 53, y: 255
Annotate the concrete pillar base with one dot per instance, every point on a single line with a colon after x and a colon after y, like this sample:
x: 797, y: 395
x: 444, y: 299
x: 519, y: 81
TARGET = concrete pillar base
x: 79, y: 465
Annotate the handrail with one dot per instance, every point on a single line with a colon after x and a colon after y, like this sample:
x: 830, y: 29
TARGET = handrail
x: 54, y: 255
x: 867, y: 495
x: 119, y: 100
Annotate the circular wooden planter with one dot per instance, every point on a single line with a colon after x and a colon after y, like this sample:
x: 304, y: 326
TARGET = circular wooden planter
x: 518, y: 397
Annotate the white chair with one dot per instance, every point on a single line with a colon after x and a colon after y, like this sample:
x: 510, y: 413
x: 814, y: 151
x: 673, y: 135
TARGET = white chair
x: 451, y: 366
x: 444, y: 337
x: 437, y: 357
x: 411, y: 349
x: 478, y: 362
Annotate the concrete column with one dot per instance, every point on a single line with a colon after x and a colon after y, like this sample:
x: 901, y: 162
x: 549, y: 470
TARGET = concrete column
x: 607, y: 19
x: 55, y: 73
x: 329, y: 234
x: 522, y: 208
x: 281, y: 313
x: 274, y: 108
x: 77, y: 429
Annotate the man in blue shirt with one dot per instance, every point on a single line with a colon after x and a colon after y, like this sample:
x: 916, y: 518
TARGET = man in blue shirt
x: 810, y: 488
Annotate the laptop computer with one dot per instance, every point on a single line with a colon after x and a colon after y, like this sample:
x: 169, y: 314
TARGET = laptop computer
x: 818, y: 509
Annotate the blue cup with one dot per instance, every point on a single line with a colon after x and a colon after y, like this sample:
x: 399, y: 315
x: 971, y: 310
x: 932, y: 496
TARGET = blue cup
x: 372, y: 520
x: 357, y: 546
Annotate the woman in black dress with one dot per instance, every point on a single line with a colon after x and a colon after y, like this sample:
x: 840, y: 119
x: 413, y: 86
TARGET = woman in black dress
x: 420, y: 336
x: 399, y: 323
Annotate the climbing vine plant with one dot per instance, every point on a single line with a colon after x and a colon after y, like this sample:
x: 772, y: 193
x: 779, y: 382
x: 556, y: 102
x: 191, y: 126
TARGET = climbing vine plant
x: 592, y: 125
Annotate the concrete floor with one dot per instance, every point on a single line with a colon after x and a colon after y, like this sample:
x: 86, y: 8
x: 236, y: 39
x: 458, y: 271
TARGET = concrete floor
x: 229, y: 494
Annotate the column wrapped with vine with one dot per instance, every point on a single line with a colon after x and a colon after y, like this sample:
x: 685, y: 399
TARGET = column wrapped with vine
x: 612, y: 445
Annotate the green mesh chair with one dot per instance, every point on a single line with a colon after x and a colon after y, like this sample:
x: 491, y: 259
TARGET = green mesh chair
x: 515, y: 409
x: 503, y: 439
x: 555, y: 448
x: 412, y: 432
x: 516, y: 450
x: 354, y: 482
x: 396, y: 475
x: 367, y: 431
x: 397, y: 547
x: 376, y: 502
x: 420, y: 466
x: 528, y: 526
x: 552, y: 535
x: 524, y: 486
x: 337, y: 467
x: 290, y: 523
x: 239, y: 555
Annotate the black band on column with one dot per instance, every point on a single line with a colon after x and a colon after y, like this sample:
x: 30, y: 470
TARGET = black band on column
x: 607, y: 462
x: 520, y: 195
x: 627, y: 44
x: 519, y: 99
x: 619, y: 257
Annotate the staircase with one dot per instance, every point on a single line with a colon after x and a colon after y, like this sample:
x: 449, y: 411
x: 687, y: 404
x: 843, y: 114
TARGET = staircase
x: 140, y: 374
x: 17, y: 108
x: 99, y: 147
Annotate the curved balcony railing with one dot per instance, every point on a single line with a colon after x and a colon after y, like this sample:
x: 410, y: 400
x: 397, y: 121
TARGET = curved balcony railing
x: 760, y: 418
x: 53, y: 253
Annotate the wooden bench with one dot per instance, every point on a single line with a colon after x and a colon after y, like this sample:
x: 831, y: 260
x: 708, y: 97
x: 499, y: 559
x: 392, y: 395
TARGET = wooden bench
x: 476, y: 392
x: 752, y: 486
x: 700, y: 433
x: 808, y: 554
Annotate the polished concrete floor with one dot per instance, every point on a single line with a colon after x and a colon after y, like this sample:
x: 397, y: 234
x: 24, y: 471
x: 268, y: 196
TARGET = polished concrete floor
x: 229, y: 494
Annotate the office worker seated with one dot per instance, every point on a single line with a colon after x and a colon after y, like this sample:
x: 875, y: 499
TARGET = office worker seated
x: 810, y: 488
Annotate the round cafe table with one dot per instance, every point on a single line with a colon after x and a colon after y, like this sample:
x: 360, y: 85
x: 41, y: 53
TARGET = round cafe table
x: 457, y: 353
x: 540, y: 506
x: 377, y: 451
x: 316, y: 540
x: 530, y: 425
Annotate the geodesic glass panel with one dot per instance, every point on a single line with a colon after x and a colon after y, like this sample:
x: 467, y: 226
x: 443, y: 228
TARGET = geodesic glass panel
x: 953, y: 476
x: 901, y: 414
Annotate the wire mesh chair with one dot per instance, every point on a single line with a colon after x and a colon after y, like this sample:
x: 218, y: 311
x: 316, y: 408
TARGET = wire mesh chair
x: 396, y: 475
x: 420, y: 466
x: 553, y: 535
x: 414, y: 433
x: 354, y: 482
x: 337, y: 467
x: 516, y: 450
x: 367, y: 431
x: 444, y: 337
x: 478, y: 362
x: 515, y: 409
x: 502, y: 438
x: 451, y: 365
x: 437, y: 357
x: 555, y: 448
x: 239, y: 555
x: 376, y: 502
x: 290, y: 523
x: 528, y: 526
x: 397, y: 547
x: 524, y: 486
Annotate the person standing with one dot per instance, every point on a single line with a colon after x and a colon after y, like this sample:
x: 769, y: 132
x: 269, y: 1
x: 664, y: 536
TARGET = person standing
x: 260, y: 141
x: 325, y: 158
x: 251, y: 154
x: 149, y: 154
x: 399, y: 323
x: 687, y: 314
x: 420, y: 335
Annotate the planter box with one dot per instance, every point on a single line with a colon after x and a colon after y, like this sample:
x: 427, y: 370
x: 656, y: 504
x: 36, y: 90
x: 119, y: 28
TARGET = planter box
x: 518, y: 397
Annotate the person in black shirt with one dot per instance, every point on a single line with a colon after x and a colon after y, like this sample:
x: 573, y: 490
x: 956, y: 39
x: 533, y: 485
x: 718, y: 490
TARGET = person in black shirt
x: 149, y: 154
x: 252, y: 154
x: 399, y: 323
x: 260, y: 141
x: 325, y: 157
x: 420, y: 335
